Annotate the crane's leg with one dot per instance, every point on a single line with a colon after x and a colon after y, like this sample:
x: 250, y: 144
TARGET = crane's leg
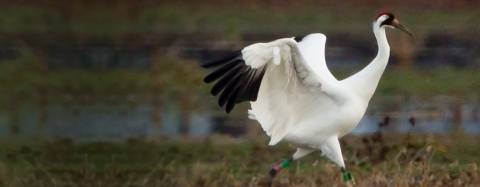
x: 347, y: 176
x: 331, y: 149
x: 278, y: 166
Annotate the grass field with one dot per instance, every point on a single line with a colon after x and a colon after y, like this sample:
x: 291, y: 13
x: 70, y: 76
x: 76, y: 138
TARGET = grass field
x: 409, y: 160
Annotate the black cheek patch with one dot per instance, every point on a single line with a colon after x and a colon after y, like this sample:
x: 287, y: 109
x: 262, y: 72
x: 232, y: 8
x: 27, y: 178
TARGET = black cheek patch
x: 388, y: 21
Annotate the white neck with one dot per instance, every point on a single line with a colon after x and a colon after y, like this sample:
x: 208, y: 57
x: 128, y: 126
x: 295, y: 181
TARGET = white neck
x: 366, y: 81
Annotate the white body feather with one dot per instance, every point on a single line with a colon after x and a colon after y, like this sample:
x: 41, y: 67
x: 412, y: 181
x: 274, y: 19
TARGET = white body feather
x: 301, y: 102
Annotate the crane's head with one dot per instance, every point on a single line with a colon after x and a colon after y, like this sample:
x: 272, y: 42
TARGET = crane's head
x: 386, y: 19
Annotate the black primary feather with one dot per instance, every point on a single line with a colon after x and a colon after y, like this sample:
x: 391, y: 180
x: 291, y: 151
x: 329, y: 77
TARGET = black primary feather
x: 256, y: 85
x: 220, y: 85
x: 236, y: 82
x: 237, y: 90
x: 246, y: 84
x: 221, y: 71
x: 229, y: 89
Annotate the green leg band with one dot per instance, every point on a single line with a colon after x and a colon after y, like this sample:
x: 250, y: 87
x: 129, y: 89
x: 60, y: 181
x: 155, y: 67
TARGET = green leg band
x: 346, y: 176
x: 285, y: 163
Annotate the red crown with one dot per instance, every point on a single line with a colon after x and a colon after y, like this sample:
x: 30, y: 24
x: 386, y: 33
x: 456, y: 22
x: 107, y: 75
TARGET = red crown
x: 383, y: 13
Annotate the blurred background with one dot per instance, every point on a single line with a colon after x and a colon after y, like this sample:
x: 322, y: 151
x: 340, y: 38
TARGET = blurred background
x: 110, y: 93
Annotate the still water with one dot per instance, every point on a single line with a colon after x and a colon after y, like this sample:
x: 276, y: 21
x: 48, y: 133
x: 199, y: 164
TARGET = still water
x: 102, y: 122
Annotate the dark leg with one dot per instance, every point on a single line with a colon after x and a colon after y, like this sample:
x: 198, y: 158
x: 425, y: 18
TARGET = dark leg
x: 276, y: 168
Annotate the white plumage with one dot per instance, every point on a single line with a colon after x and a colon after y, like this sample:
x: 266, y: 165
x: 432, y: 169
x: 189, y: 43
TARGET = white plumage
x: 300, y: 101
x: 294, y: 96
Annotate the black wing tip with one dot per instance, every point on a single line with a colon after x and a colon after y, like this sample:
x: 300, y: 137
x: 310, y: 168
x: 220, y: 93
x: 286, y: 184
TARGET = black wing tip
x: 236, y: 91
x: 226, y: 79
x: 221, y: 71
x: 233, y: 82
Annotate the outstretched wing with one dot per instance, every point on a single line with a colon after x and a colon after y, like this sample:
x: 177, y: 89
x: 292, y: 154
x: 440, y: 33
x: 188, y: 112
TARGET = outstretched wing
x: 275, y: 76
x: 239, y: 75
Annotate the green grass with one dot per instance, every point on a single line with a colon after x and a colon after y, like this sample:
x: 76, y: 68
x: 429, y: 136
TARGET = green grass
x: 221, y: 161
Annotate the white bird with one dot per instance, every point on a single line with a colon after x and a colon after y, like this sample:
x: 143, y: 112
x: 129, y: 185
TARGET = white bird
x: 294, y: 96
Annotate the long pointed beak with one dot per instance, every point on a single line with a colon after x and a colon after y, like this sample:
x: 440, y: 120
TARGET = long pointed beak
x: 399, y: 26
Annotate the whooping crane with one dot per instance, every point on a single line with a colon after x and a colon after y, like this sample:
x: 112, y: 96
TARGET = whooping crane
x: 294, y: 96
